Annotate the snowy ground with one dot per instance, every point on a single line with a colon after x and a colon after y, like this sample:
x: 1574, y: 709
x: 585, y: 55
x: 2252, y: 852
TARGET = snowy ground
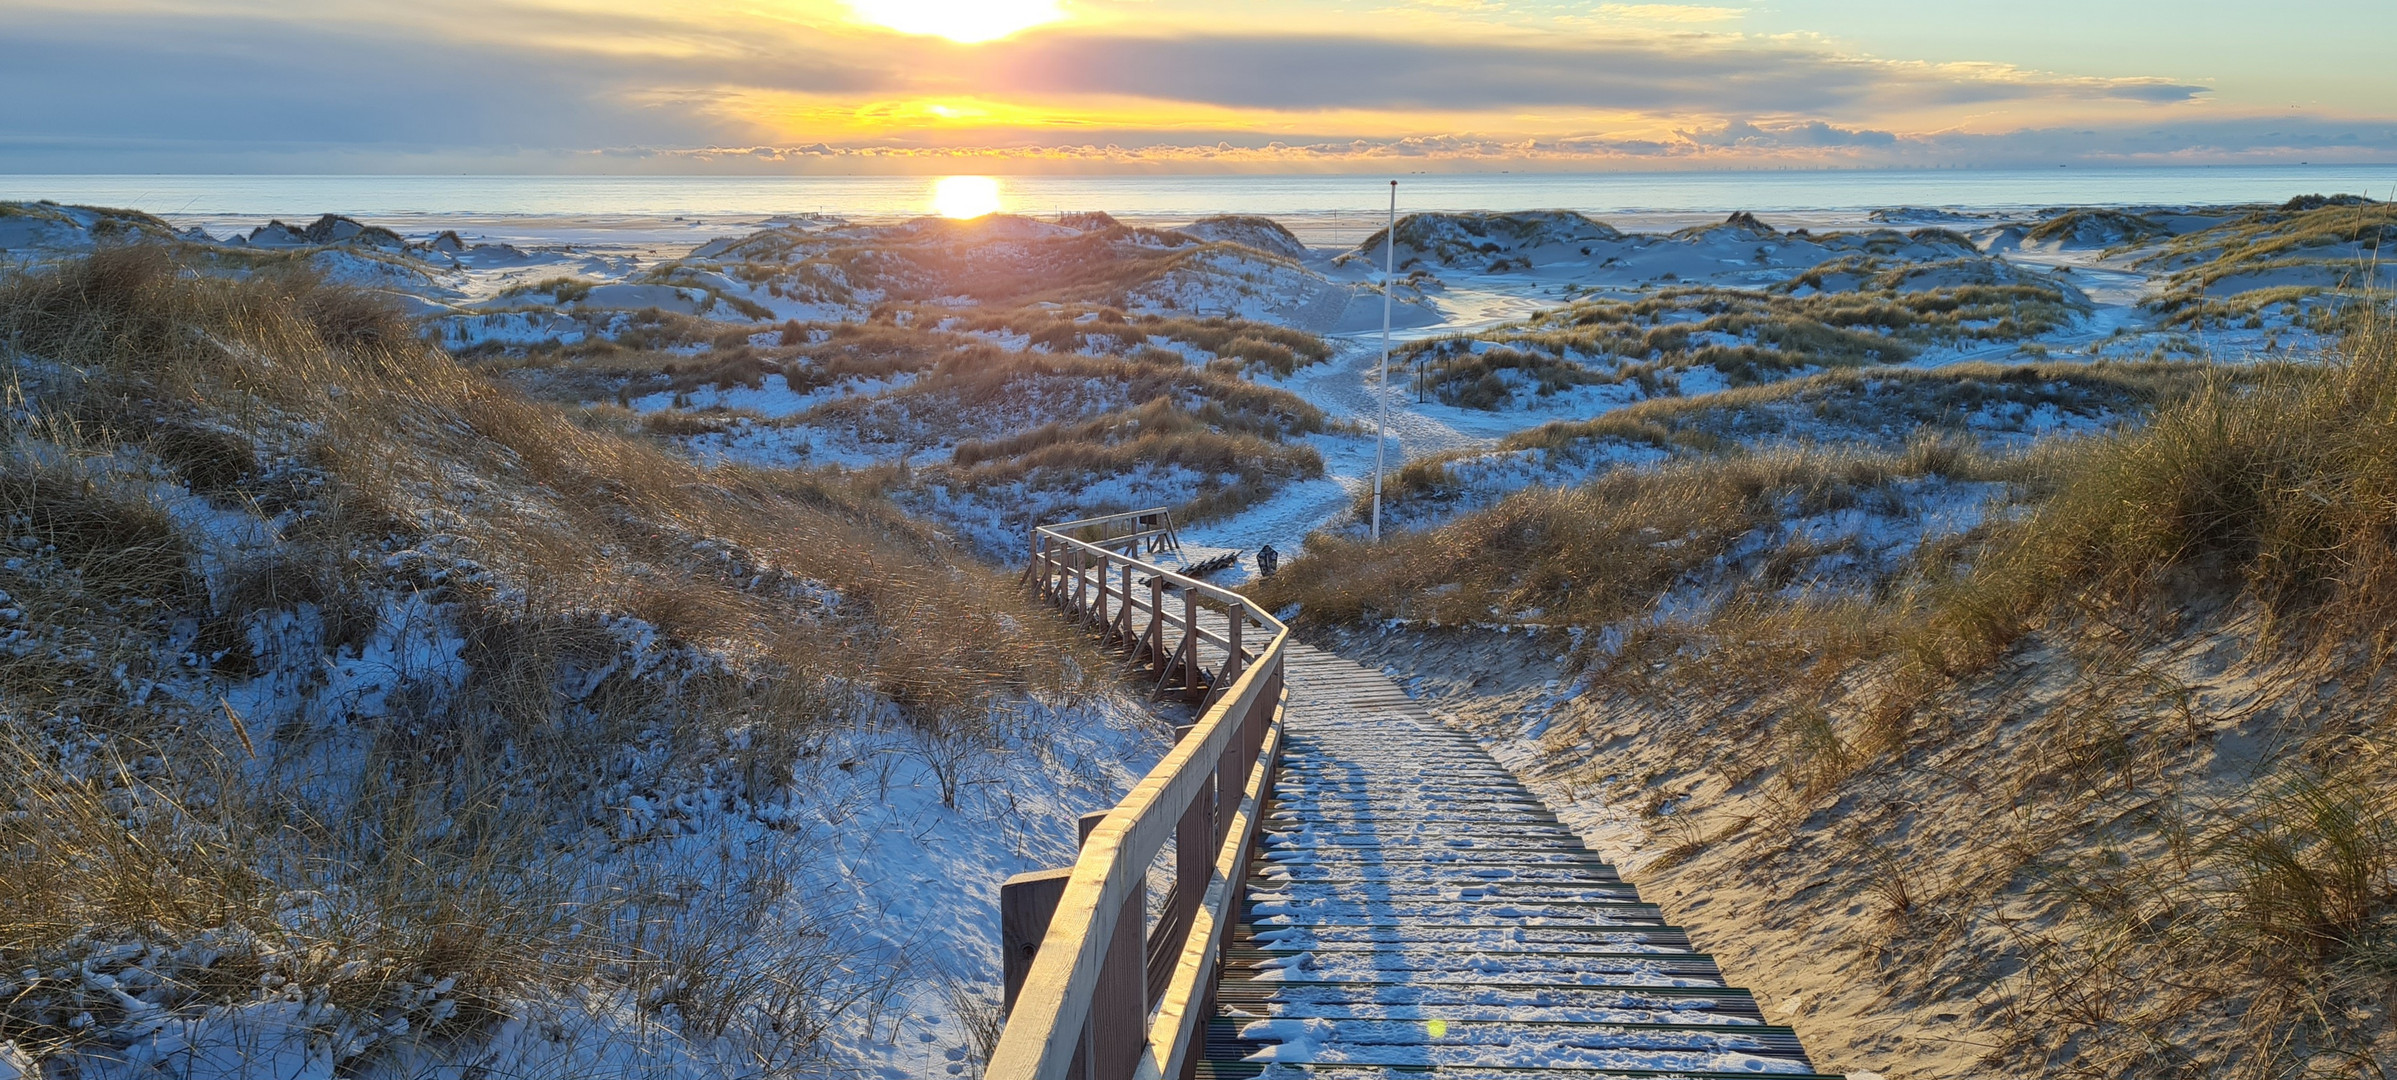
x: 865, y: 869
x: 911, y: 878
x: 2118, y: 276
x: 1464, y: 275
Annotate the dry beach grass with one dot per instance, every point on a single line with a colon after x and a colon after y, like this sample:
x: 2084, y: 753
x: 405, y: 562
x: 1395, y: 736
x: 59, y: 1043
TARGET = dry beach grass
x: 2095, y: 789
x: 1875, y: 406
x: 213, y: 484
x: 1748, y: 336
x: 1086, y: 398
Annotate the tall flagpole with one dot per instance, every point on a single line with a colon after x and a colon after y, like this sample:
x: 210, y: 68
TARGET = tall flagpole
x: 1381, y: 427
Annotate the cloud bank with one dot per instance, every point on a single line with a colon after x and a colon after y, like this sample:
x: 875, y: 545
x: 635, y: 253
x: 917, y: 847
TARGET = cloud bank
x: 1737, y: 144
x: 1308, y: 72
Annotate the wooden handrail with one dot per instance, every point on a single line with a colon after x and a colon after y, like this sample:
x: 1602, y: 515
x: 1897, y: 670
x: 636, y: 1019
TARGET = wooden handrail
x: 1206, y: 795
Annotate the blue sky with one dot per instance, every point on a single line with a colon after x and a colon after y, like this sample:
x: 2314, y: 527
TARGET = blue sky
x: 863, y: 86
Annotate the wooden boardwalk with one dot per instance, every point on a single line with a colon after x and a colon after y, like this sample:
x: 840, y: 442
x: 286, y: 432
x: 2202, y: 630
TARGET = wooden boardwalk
x: 1413, y: 910
x: 1358, y: 892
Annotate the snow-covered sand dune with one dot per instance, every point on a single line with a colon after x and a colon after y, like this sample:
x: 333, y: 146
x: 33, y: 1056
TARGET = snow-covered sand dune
x: 983, y: 374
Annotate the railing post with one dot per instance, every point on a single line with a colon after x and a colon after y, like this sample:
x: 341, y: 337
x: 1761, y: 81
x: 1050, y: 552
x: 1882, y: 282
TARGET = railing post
x: 1122, y: 629
x: 1157, y: 620
x: 1191, y: 669
x: 1082, y: 589
x: 1117, y: 1028
x: 1168, y: 661
x: 1026, y: 903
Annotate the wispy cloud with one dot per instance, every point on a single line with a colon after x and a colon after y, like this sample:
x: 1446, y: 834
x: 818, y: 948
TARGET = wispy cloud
x: 1671, y: 13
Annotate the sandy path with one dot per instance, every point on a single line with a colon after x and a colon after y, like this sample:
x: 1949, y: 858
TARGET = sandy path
x: 1345, y: 389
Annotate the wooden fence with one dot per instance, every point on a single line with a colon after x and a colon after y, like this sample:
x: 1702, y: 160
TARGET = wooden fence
x: 1096, y: 988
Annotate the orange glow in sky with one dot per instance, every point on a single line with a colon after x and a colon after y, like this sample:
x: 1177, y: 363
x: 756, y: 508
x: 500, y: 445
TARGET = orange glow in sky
x: 962, y: 87
x: 959, y: 20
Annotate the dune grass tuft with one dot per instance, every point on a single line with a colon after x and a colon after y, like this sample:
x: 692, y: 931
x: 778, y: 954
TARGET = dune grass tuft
x: 1748, y: 337
x: 2277, y: 488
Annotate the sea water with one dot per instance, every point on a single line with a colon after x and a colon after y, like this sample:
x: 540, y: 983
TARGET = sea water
x: 1332, y: 208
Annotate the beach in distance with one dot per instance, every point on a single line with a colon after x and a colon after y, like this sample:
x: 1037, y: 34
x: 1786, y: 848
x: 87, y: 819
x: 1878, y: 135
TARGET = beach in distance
x: 1326, y: 210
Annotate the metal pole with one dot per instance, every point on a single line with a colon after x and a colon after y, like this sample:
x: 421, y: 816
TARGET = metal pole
x: 1381, y: 427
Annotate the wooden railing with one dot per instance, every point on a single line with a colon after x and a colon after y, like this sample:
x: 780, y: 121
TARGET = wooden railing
x: 1094, y: 991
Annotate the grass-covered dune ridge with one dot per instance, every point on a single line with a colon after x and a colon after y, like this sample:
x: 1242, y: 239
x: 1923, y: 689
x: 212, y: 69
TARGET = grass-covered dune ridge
x: 127, y: 348
x: 2279, y: 489
x: 2336, y: 245
x: 1632, y: 542
x: 999, y: 260
x: 1747, y: 337
x: 2093, y: 786
x: 1998, y: 406
x: 984, y: 420
x: 351, y: 695
x: 1150, y: 430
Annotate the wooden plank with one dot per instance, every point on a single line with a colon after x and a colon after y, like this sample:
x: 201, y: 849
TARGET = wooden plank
x: 1131, y: 540
x: 1385, y: 926
x: 1212, y: 638
x: 1227, y: 796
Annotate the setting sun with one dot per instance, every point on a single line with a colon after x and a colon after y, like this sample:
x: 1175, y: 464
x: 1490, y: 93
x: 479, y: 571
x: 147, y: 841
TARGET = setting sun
x: 965, y: 196
x: 959, y: 20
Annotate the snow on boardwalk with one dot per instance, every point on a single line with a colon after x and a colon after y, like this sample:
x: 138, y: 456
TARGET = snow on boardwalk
x: 1414, y: 910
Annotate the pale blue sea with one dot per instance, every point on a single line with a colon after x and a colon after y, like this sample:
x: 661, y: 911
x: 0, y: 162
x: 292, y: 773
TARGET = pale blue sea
x: 1326, y: 206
